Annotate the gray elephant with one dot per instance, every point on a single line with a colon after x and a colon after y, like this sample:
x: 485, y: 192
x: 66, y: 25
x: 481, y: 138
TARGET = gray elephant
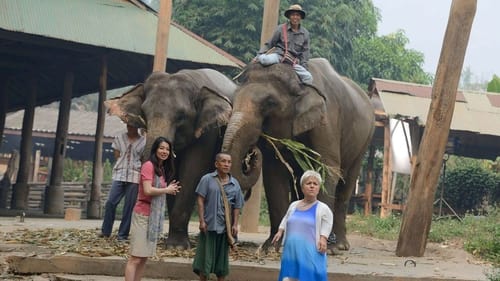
x: 190, y: 108
x: 333, y: 117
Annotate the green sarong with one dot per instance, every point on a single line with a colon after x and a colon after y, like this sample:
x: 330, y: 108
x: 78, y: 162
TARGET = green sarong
x: 212, y: 254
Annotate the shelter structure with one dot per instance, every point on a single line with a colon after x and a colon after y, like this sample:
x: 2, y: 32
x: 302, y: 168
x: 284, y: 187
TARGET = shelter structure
x: 81, y: 133
x: 474, y: 131
x: 55, y: 50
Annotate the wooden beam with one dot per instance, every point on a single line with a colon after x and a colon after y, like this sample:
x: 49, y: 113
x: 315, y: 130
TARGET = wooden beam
x: 368, y: 195
x: 250, y: 214
x: 94, y: 204
x: 54, y: 193
x: 387, y: 170
x: 417, y: 216
x: 162, y: 32
x: 20, y: 191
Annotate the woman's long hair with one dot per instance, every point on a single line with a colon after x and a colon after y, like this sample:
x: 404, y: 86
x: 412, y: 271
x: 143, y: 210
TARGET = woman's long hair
x: 168, y: 164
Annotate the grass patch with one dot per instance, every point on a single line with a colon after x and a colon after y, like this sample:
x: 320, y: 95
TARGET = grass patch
x: 479, y: 236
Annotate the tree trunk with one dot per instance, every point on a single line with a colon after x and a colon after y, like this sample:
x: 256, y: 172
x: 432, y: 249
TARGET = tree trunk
x: 417, y: 216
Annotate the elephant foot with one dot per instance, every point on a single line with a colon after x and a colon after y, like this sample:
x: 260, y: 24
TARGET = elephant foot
x: 177, y: 242
x: 264, y: 248
x: 342, y: 244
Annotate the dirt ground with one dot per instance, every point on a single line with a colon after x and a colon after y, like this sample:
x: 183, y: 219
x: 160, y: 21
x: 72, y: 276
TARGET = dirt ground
x: 368, y: 256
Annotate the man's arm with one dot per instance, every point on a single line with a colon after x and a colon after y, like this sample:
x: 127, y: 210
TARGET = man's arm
x: 307, y: 52
x: 236, y: 216
x: 116, y: 153
x: 201, y: 213
x: 272, y: 42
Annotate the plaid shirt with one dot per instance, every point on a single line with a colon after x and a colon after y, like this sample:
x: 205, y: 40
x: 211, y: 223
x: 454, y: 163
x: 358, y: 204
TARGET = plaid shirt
x: 128, y: 166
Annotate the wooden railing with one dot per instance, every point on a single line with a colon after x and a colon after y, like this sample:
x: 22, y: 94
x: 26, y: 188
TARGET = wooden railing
x: 76, y: 195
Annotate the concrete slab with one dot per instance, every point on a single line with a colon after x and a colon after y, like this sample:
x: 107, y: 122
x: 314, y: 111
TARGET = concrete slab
x: 368, y: 259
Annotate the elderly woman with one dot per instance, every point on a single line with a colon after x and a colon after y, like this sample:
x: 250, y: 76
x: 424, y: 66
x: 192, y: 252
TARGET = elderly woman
x: 306, y: 226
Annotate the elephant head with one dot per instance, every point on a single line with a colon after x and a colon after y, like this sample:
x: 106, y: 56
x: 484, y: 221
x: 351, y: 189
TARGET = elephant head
x: 180, y: 106
x: 270, y: 100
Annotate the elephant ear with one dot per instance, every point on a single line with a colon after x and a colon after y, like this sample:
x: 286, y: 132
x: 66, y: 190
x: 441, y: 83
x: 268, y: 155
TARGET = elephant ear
x: 310, y: 111
x: 128, y: 106
x: 214, y: 111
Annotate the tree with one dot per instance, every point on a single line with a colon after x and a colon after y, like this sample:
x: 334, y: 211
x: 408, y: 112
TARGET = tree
x: 387, y: 57
x: 494, y: 85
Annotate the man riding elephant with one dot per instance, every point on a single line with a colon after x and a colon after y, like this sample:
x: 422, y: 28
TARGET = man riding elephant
x: 289, y: 44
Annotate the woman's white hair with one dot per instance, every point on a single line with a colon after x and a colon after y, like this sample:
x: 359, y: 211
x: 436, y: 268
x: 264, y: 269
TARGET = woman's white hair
x: 308, y: 174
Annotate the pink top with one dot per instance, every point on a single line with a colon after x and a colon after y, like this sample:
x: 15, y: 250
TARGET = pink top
x: 143, y: 204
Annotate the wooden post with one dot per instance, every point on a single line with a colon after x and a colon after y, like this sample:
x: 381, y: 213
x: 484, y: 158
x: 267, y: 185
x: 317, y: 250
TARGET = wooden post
x: 54, y: 192
x: 20, y: 191
x: 36, y: 165
x: 162, y: 33
x: 387, y: 171
x: 3, y: 107
x: 94, y: 204
x: 250, y: 214
x: 417, y: 215
x: 369, y: 182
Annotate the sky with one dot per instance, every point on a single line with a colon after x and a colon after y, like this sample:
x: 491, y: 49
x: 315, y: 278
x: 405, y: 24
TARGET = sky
x: 424, y: 25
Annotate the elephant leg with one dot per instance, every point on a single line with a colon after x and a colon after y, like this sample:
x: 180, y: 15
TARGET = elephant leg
x: 344, y: 193
x: 197, y: 160
x: 277, y: 184
x: 332, y: 184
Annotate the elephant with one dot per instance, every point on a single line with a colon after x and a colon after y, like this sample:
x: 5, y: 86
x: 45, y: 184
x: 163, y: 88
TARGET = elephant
x: 333, y: 116
x: 191, y: 109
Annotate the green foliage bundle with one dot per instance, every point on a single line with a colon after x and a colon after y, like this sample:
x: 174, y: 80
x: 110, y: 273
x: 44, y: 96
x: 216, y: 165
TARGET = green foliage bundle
x: 469, y: 184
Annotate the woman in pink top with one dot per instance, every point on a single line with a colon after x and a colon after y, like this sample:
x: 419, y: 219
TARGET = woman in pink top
x: 148, y: 215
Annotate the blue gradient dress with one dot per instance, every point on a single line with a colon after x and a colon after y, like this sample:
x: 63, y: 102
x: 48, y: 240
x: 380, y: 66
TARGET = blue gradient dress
x: 300, y: 259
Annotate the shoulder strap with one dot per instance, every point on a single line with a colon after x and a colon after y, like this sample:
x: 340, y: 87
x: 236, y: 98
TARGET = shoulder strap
x: 227, y: 214
x: 285, y: 36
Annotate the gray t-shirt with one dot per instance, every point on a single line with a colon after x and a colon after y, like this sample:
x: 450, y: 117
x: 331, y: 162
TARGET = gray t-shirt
x: 208, y: 188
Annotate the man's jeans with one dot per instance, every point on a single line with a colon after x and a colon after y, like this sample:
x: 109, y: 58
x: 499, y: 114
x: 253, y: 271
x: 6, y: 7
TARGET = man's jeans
x: 118, y: 190
x: 268, y: 59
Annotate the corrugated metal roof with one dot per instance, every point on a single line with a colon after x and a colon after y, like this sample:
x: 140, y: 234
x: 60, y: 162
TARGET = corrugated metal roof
x: 475, y: 126
x: 97, y: 22
x: 473, y: 112
x: 82, y: 123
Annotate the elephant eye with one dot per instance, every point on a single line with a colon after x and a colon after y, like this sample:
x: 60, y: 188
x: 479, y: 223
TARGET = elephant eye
x: 269, y: 102
x: 180, y: 117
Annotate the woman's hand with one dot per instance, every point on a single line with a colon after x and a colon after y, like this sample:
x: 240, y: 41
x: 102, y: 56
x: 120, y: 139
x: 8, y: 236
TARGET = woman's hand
x: 173, y: 188
x: 322, y: 244
x: 277, y: 236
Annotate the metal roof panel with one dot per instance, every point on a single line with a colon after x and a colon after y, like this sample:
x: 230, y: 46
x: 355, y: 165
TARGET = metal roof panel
x: 114, y: 24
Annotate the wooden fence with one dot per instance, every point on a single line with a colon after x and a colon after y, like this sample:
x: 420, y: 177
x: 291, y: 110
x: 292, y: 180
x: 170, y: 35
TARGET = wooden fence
x: 76, y: 195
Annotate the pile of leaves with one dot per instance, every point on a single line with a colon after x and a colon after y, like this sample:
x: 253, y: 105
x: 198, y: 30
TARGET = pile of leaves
x: 88, y: 243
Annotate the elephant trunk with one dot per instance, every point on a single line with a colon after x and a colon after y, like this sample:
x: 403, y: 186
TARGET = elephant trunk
x: 240, y: 142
